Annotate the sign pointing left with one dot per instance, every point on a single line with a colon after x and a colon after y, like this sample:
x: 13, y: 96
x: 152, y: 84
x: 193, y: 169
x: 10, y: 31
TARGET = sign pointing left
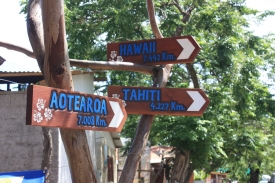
x: 68, y: 109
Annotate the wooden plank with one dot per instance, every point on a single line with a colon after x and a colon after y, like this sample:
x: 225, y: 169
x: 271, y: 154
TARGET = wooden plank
x: 161, y: 101
x: 53, y: 107
x: 100, y: 79
x: 173, y: 50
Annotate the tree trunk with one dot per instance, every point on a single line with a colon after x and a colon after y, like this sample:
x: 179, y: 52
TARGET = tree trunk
x: 154, y: 176
x: 54, y: 64
x: 142, y: 133
x: 254, y: 175
x: 138, y: 145
x: 182, y: 170
x: 52, y: 56
x: 36, y: 37
x: 145, y: 122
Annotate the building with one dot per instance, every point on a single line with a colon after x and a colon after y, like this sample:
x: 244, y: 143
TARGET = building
x: 22, y: 146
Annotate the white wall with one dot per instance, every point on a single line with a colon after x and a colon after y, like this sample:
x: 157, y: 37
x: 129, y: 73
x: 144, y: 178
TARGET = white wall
x: 105, y: 146
x: 82, y: 83
x: 97, y: 140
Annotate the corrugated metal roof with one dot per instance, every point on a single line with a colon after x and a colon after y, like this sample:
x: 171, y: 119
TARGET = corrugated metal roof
x: 20, y: 77
x: 116, y: 139
x: 19, y: 73
x: 74, y: 72
x: 9, y: 74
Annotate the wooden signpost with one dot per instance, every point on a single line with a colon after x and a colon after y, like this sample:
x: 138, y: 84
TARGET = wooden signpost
x: 173, y: 50
x: 161, y: 101
x: 53, y: 107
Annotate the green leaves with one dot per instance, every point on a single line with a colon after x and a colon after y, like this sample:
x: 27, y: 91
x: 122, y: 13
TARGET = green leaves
x: 235, y: 69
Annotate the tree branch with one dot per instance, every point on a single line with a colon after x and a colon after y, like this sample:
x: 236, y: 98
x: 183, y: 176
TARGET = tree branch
x: 146, y: 121
x: 36, y: 32
x: 109, y: 65
x: 193, y: 74
x: 17, y: 48
x: 36, y: 37
x: 151, y: 15
x: 176, y: 3
x: 96, y: 65
x: 185, y: 19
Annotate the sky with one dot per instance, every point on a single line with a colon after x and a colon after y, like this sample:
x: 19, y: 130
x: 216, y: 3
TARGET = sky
x: 13, y: 30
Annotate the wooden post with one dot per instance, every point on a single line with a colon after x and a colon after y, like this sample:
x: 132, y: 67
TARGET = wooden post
x: 48, y: 39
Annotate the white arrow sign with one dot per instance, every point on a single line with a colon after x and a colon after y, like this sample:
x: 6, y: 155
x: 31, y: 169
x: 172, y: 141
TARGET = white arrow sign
x: 118, y: 115
x: 198, y: 101
x: 188, y: 48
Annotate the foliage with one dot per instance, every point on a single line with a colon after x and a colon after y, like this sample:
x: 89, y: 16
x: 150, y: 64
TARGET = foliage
x: 236, y: 131
x: 229, y: 66
x: 199, y: 175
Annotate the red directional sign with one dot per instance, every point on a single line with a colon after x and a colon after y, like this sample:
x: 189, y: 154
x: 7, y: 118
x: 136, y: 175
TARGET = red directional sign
x: 68, y: 109
x: 173, y: 50
x: 161, y: 101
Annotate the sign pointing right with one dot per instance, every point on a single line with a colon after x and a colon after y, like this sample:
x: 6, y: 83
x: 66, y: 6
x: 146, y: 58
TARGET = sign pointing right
x: 54, y: 107
x: 198, y: 101
x: 173, y: 50
x: 188, y: 48
x: 118, y: 114
x: 161, y: 101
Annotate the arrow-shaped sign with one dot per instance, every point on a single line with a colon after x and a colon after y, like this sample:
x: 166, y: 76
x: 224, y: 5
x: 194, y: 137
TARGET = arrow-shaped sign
x: 161, y: 101
x: 198, y: 101
x: 68, y: 109
x: 187, y: 50
x: 118, y: 117
x: 173, y: 50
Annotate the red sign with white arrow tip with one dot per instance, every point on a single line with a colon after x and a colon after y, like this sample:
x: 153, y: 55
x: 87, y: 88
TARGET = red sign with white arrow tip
x: 69, y: 109
x: 173, y: 50
x: 161, y: 101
